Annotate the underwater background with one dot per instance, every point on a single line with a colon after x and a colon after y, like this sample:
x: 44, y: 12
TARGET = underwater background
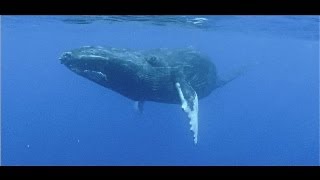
x: 268, y: 116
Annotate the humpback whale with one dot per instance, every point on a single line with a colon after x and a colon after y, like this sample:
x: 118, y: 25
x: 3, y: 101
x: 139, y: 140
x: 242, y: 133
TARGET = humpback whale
x: 174, y: 76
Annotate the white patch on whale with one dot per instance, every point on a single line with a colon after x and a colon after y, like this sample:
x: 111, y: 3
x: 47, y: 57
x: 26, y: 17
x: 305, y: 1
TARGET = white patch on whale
x: 96, y: 74
x: 192, y: 114
x: 90, y: 56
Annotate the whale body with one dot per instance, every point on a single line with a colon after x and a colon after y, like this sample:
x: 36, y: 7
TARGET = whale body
x: 174, y: 76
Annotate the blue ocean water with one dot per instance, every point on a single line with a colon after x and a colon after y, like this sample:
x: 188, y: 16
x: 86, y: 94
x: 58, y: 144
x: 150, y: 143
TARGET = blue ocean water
x: 268, y: 116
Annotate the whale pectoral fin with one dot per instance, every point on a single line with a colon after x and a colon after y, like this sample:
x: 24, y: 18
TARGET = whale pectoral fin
x: 189, y: 103
x: 138, y: 106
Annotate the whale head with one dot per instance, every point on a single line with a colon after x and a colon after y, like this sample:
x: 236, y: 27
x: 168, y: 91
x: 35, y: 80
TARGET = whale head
x: 113, y: 68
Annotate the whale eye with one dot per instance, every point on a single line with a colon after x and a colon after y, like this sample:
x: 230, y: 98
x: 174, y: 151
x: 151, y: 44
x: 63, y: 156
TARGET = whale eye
x: 153, y: 58
x: 154, y: 61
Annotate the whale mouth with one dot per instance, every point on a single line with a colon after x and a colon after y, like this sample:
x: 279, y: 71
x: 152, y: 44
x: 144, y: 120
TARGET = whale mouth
x: 89, y: 66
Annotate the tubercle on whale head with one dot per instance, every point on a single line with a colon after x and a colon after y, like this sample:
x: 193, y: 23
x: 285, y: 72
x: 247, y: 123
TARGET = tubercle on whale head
x: 65, y: 57
x: 83, y: 58
x: 97, y: 58
x: 87, y: 53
